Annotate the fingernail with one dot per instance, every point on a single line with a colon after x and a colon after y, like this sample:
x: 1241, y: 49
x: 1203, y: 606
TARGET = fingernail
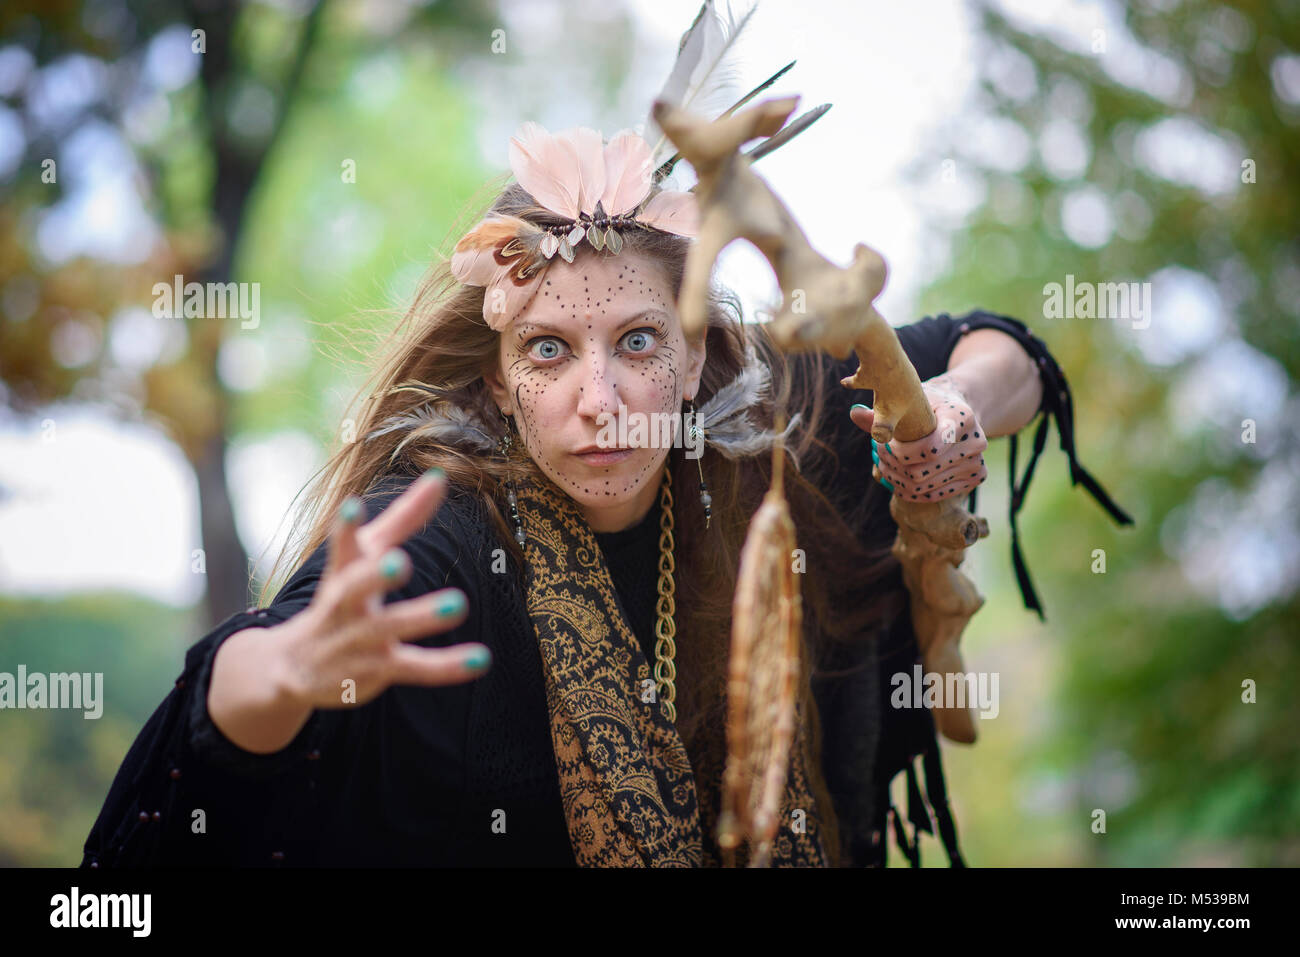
x: 478, y: 659
x: 434, y: 473
x: 449, y: 604
x: 390, y: 566
x: 859, y: 405
x: 350, y: 510
x: 875, y: 454
x: 885, y: 483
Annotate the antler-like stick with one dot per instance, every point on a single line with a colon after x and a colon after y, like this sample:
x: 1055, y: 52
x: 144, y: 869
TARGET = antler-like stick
x: 831, y: 308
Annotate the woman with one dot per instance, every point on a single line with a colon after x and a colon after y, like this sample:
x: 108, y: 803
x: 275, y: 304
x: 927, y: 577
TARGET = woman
x: 508, y: 640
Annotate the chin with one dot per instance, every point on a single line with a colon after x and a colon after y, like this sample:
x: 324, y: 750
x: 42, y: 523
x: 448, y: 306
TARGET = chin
x: 627, y: 479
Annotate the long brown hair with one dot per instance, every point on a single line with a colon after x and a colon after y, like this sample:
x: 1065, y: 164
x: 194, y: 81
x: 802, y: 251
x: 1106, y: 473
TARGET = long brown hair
x: 442, y: 343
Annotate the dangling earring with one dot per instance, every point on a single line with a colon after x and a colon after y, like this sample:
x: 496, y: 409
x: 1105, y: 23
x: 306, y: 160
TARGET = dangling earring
x: 697, y: 441
x: 503, y: 448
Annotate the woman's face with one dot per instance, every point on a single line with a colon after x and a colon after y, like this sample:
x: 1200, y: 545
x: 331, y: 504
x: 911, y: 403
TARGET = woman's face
x: 599, y: 348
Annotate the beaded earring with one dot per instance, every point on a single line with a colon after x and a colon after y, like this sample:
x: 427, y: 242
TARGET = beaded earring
x: 697, y: 441
x: 504, y: 447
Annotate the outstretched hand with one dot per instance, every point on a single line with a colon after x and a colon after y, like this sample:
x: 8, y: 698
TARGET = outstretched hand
x: 347, y: 632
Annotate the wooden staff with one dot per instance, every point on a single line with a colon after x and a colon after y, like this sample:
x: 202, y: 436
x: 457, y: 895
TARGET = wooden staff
x: 830, y: 308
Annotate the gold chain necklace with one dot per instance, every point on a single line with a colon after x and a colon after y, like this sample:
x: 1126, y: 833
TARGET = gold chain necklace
x: 665, y: 628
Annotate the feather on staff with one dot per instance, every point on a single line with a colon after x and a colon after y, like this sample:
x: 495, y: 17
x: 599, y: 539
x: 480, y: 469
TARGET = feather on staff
x: 704, y: 71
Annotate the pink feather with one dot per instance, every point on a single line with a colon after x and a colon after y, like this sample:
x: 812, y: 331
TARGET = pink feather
x: 627, y: 173
x: 567, y: 173
x: 473, y: 261
x: 673, y: 211
x: 589, y: 161
x: 474, y: 267
x: 544, y: 166
x: 498, y: 309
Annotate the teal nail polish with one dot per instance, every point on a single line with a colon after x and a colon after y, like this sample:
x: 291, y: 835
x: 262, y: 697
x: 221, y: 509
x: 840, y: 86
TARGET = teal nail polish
x: 875, y: 457
x: 859, y: 405
x: 434, y: 473
x: 350, y: 510
x: 391, y: 564
x: 449, y: 605
x: 478, y: 659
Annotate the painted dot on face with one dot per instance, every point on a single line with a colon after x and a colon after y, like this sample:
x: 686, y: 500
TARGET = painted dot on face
x: 557, y: 397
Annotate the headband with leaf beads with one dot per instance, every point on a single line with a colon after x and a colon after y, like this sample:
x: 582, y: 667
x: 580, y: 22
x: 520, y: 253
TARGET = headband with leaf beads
x: 598, y: 187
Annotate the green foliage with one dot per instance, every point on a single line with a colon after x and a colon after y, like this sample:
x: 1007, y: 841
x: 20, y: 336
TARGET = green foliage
x: 327, y: 84
x: 414, y: 164
x: 1142, y: 713
x: 56, y: 765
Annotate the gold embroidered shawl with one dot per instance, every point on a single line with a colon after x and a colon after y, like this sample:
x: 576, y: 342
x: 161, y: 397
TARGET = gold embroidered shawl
x: 630, y: 796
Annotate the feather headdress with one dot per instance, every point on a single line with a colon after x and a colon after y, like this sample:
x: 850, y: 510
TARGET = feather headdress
x: 602, y: 189
x: 598, y: 187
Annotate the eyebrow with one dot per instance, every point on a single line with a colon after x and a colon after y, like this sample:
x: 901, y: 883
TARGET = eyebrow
x: 533, y: 324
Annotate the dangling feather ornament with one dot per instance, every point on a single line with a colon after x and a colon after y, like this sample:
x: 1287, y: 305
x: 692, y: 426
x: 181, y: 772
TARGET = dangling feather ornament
x: 725, y: 417
x: 762, y: 680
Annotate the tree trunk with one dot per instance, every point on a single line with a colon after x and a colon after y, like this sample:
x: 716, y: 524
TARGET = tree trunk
x: 236, y: 171
x: 227, y: 562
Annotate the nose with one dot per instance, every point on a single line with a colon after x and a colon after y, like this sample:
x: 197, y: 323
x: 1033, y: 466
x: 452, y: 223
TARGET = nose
x: 599, y: 393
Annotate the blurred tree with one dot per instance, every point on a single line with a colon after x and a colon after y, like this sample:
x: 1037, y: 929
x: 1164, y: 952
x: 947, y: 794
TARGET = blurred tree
x: 321, y: 156
x: 256, y: 65
x: 1155, y: 143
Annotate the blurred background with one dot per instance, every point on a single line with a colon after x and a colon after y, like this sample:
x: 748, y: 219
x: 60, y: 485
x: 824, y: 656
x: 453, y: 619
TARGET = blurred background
x: 329, y: 151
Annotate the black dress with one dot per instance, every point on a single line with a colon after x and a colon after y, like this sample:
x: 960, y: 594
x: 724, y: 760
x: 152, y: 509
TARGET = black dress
x: 463, y: 774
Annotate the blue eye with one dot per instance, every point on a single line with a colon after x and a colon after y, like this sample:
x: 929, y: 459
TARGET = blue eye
x: 546, y: 348
x: 639, y: 340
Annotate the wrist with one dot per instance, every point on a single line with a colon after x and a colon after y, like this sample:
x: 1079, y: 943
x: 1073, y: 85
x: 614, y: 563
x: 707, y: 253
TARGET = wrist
x: 952, y: 384
x: 251, y: 700
x: 998, y: 380
x: 254, y: 666
x: 285, y: 687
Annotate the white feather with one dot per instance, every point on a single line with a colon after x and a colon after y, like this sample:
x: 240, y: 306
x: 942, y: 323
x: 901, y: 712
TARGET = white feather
x: 702, y: 76
x: 742, y: 392
x: 739, y: 439
x: 725, y: 417
x: 450, y: 426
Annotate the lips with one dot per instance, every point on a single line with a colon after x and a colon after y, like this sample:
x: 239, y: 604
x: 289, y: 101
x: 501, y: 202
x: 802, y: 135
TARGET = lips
x: 599, y: 456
